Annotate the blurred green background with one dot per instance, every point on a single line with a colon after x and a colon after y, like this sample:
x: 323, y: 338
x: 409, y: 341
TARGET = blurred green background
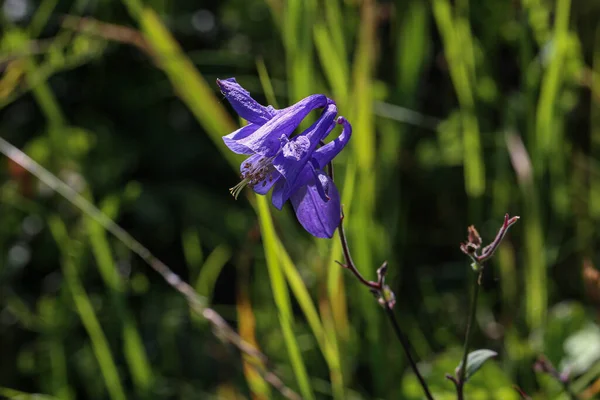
x: 462, y: 111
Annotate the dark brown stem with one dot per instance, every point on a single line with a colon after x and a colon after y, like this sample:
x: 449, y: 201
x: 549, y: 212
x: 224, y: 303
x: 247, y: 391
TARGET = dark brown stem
x: 406, y: 346
x: 349, y: 263
x: 460, y: 382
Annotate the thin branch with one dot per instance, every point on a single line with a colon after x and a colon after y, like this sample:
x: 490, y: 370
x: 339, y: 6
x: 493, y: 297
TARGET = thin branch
x: 460, y: 382
x: 406, y: 346
x: 349, y: 265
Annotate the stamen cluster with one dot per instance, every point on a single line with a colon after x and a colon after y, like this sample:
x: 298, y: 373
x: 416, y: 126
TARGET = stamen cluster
x: 254, y: 174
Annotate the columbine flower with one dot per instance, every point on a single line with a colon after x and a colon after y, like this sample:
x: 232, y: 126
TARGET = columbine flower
x: 293, y: 166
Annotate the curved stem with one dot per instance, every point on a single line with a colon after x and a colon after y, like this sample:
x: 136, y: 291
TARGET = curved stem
x: 406, y: 346
x: 349, y: 263
x: 463, y: 370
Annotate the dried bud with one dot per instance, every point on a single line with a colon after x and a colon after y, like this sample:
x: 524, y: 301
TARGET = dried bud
x: 474, y: 238
x: 474, y: 242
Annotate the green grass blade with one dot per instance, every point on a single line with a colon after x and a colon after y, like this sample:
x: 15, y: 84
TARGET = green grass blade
x: 210, y: 271
x: 455, y: 35
x: 325, y: 342
x: 41, y: 16
x: 335, y: 280
x: 412, y: 47
x: 298, y: 19
x: 50, y: 315
x: 265, y: 82
x: 86, y: 312
x: 335, y: 22
x: 18, y: 395
x: 360, y: 222
x: 281, y: 296
x: 536, y: 301
x: 246, y: 323
x: 546, y: 123
x: 133, y: 347
x: 335, y: 68
x: 192, y: 251
x: 364, y: 143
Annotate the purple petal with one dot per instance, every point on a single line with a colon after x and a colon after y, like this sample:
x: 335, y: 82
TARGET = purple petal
x: 264, y: 186
x: 266, y: 139
x: 244, y: 104
x: 320, y: 218
x: 325, y: 154
x: 296, y: 153
x: 321, y: 184
x: 231, y: 139
x: 282, y: 190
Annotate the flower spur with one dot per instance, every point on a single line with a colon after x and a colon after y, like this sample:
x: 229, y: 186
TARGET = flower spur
x: 292, y: 166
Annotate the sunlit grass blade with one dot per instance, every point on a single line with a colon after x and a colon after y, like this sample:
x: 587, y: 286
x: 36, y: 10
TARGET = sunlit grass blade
x: 336, y: 288
x: 362, y: 75
x: 210, y: 271
x: 247, y: 328
x: 536, y: 301
x: 326, y: 342
x: 298, y: 20
x: 454, y: 34
x: 85, y: 310
x: 412, y: 46
x: 18, y: 395
x: 265, y: 82
x: 281, y: 296
x: 548, y: 152
x: 334, y: 16
x: 335, y: 67
x: 41, y: 16
x: 192, y: 251
x: 546, y: 125
x: 133, y: 347
x: 360, y: 221
x: 50, y: 315
x: 536, y: 279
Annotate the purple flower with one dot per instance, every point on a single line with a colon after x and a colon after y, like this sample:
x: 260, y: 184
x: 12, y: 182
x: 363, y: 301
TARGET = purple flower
x: 292, y: 166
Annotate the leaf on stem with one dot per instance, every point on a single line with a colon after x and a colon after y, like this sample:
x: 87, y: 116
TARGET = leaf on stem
x: 475, y: 360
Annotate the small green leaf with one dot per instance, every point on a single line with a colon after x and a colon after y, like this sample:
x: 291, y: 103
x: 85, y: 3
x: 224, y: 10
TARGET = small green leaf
x: 475, y: 360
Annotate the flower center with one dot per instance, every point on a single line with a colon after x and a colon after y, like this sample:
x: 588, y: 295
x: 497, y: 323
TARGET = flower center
x: 253, y: 174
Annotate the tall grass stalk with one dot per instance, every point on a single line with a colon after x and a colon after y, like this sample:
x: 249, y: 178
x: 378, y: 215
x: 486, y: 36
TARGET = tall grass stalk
x: 281, y: 296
